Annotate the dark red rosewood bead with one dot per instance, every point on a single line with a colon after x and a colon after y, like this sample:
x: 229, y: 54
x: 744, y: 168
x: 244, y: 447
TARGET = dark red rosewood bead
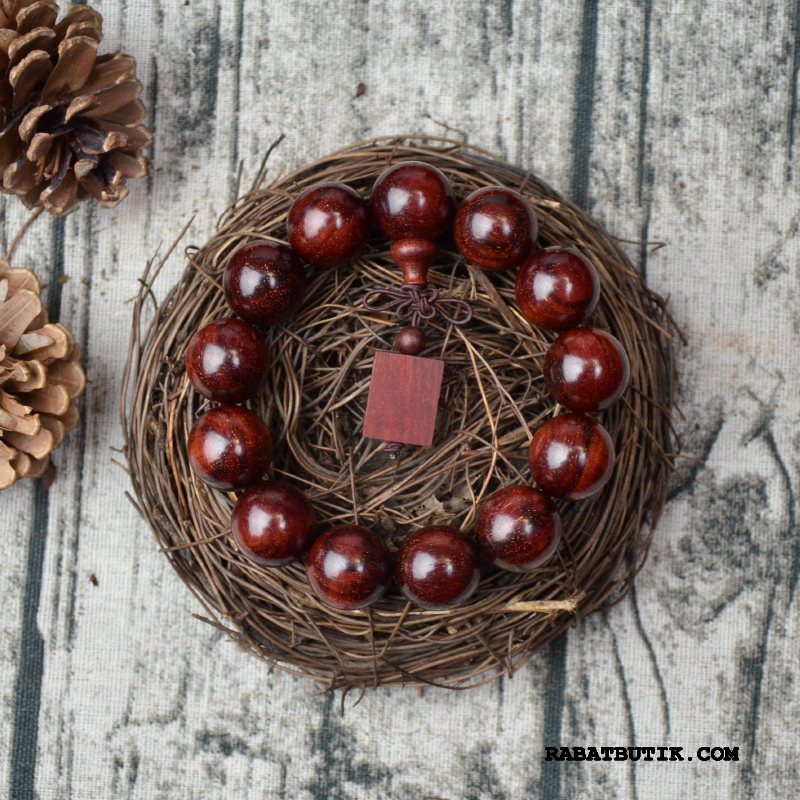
x: 586, y: 369
x: 348, y: 567
x: 227, y: 360
x: 495, y: 228
x: 264, y: 282
x: 272, y: 523
x: 328, y: 224
x: 229, y: 448
x: 437, y: 567
x: 413, y: 200
x: 557, y: 289
x: 571, y: 456
x: 410, y: 340
x: 518, y: 528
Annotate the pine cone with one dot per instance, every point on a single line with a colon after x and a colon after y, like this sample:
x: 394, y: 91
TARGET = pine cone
x: 40, y: 377
x: 71, y: 120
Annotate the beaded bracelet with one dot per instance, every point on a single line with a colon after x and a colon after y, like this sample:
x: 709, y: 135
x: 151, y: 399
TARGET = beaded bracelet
x: 518, y: 528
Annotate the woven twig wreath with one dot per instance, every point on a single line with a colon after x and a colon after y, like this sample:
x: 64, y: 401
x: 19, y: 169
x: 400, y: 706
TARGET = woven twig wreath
x: 314, y: 403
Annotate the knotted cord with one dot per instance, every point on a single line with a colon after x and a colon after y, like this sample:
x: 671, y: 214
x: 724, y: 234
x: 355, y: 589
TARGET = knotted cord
x: 416, y: 304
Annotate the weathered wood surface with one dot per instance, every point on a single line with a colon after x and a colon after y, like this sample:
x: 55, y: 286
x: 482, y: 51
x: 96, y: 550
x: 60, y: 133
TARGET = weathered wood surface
x: 673, y: 121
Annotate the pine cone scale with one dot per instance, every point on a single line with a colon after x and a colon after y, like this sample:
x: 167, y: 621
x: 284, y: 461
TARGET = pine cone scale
x: 76, y: 59
x: 19, y: 311
x: 42, y: 14
x: 39, y: 39
x: 28, y: 74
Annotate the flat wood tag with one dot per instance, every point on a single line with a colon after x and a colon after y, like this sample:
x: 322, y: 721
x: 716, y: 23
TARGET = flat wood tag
x: 403, y: 398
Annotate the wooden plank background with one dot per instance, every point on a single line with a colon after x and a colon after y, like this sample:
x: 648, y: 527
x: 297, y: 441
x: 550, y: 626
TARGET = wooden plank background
x: 673, y: 121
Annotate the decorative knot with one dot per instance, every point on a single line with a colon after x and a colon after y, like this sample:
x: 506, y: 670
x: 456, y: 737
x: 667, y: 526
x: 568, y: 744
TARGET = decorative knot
x: 417, y: 304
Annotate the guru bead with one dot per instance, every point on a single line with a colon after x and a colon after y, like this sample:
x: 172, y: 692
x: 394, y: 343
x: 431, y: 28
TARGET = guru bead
x: 348, y: 567
x: 413, y: 200
x: 413, y: 204
x: 586, y: 369
x: 495, y: 228
x: 328, y: 224
x: 272, y: 523
x: 437, y: 567
x: 518, y: 528
x: 571, y: 456
x: 229, y: 448
x: 227, y: 360
x: 557, y: 289
x: 264, y: 282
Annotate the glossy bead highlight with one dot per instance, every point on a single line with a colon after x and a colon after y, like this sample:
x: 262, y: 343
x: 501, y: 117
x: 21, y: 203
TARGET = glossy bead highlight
x: 571, y: 456
x: 413, y: 200
x: 328, y: 224
x: 227, y: 360
x: 264, y: 283
x: 495, y: 228
x: 348, y: 567
x: 272, y: 523
x: 586, y: 369
x: 229, y: 448
x: 518, y: 528
x: 437, y: 567
x: 557, y: 289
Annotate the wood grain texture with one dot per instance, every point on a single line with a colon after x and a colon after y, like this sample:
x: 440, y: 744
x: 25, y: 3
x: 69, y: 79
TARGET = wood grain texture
x: 672, y: 121
x: 403, y: 398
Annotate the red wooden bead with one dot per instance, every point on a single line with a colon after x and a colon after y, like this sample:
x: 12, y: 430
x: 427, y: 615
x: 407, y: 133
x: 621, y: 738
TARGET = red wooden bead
x: 348, y: 567
x: 410, y: 340
x: 264, y: 282
x: 557, y: 289
x: 437, y: 567
x: 571, y: 456
x: 227, y: 360
x: 229, y: 447
x: 413, y: 200
x: 586, y: 369
x: 495, y: 228
x: 328, y: 224
x: 518, y: 528
x: 272, y: 523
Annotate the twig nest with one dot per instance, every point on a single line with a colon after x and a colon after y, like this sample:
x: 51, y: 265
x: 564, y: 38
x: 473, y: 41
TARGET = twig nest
x: 493, y: 399
x: 40, y: 377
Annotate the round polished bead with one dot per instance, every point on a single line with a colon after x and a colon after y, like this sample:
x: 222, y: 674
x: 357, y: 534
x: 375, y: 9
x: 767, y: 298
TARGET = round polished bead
x: 518, y: 528
x: 495, y: 228
x: 437, y: 567
x: 272, y: 523
x: 571, y: 456
x: 557, y: 289
x: 348, y: 567
x: 413, y: 200
x: 264, y: 282
x: 586, y: 369
x: 227, y: 360
x: 328, y: 224
x: 229, y: 447
x: 410, y: 340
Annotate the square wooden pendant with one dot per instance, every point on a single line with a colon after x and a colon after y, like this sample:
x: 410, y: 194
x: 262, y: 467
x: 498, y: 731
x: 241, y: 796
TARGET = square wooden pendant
x: 403, y: 398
